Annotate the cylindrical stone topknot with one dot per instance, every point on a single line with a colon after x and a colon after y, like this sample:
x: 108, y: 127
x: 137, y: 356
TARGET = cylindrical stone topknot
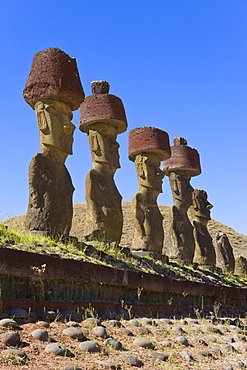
x: 149, y: 139
x: 54, y: 75
x: 100, y: 87
x: 183, y: 158
x: 102, y: 108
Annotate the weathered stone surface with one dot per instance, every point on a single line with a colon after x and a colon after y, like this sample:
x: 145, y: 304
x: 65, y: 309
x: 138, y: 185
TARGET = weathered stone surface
x: 149, y: 140
x: 90, y: 346
x: 132, y: 360
x: 74, y: 333
x: 200, y: 211
x: 143, y: 342
x: 107, y: 363
x: 102, y: 116
x: 40, y: 334
x: 187, y: 356
x: 16, y: 352
x: 58, y: 350
x: 50, y: 207
x: 224, y: 253
x: 10, y: 338
x: 182, y: 158
x: 99, y: 331
x: 53, y: 89
x: 114, y: 343
x: 241, y: 266
x: 159, y: 356
x: 180, y: 167
x: 54, y: 75
x: 182, y: 340
x: 8, y: 323
x: 147, y: 147
x: 18, y: 313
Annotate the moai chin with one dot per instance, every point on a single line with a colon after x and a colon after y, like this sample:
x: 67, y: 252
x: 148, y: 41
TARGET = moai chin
x: 102, y: 117
x: 180, y: 167
x: 148, y: 146
x: 200, y: 211
x: 224, y: 253
x: 54, y: 90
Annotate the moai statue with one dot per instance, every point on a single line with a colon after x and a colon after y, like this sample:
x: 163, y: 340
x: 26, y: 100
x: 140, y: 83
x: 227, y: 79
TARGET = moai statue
x: 224, y: 253
x: 200, y: 211
x: 147, y: 147
x: 183, y: 164
x: 241, y: 266
x: 54, y: 90
x: 102, y: 117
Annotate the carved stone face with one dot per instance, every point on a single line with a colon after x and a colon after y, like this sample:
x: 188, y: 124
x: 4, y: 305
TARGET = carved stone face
x: 55, y: 126
x: 180, y: 185
x: 103, y: 144
x: 201, y: 205
x: 149, y: 173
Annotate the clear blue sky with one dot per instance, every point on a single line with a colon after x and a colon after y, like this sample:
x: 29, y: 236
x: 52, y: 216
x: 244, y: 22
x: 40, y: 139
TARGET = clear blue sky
x: 178, y: 65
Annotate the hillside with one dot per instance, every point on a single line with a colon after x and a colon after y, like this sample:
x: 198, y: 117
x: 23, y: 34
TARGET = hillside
x: 238, y: 241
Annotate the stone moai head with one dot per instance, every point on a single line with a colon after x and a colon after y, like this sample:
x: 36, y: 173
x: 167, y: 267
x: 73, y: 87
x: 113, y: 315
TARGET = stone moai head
x: 148, y: 146
x: 180, y: 167
x: 54, y: 90
x: 102, y: 117
x: 201, y: 205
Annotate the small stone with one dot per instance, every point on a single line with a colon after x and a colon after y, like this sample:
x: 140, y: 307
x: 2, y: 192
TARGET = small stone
x: 166, y: 321
x: 134, y: 322
x: 99, y: 331
x: 91, y: 321
x: 46, y: 315
x: 58, y: 350
x: 178, y: 329
x: 40, y: 334
x: 244, y: 346
x: 214, y: 330
x: 114, y: 343
x: 15, y: 352
x: 198, y: 330
x: 72, y: 323
x: 227, y: 368
x: 182, y: 340
x: 187, y: 356
x: 126, y: 331
x: 71, y: 367
x: 132, y: 360
x: 228, y: 339
x: 145, y: 343
x: 216, y: 350
x: 159, y: 356
x: 90, y: 346
x: 184, y: 322
x: 8, y: 323
x: 241, y: 337
x: 74, y: 333
x: 18, y: 313
x: 194, y: 321
x: 212, y: 338
x: 107, y: 363
x: 116, y: 323
x: 201, y: 341
x: 166, y: 343
x: 205, y: 354
x: 143, y: 330
x: 44, y: 324
x: 229, y: 347
x: 147, y: 321
x: 10, y: 338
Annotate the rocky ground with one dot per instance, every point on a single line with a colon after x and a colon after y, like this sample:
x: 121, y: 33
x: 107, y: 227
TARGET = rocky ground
x: 51, y: 341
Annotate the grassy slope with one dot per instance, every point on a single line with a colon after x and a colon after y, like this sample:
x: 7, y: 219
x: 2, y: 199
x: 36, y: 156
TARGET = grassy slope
x: 238, y: 241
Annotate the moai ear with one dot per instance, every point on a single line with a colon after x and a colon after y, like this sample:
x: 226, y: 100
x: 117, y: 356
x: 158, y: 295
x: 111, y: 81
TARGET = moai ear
x: 196, y: 202
x: 176, y: 188
x: 94, y: 143
x: 141, y: 171
x: 41, y: 118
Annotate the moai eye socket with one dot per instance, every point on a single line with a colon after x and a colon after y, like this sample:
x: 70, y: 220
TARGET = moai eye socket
x: 52, y: 110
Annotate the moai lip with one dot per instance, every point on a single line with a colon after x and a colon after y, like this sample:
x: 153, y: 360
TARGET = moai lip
x: 149, y: 139
x: 102, y: 107
x: 54, y: 75
x: 182, y: 157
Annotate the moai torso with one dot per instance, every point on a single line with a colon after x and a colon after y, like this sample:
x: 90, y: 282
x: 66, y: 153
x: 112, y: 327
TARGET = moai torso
x: 147, y: 147
x: 224, y: 253
x: 204, y: 250
x: 102, y: 117
x: 183, y: 164
x: 53, y: 89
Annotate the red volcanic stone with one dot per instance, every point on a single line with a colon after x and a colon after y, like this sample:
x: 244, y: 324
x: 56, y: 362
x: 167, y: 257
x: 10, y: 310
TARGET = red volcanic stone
x: 149, y: 139
x: 183, y: 158
x: 54, y: 75
x: 103, y: 108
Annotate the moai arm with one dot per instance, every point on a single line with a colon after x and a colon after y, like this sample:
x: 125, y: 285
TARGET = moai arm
x: 93, y: 196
